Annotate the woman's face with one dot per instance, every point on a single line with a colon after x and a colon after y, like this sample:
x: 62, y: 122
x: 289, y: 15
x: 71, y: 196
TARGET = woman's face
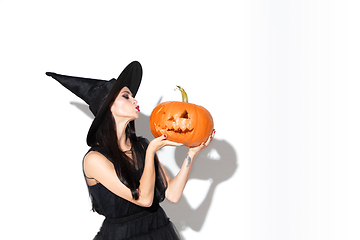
x: 125, y: 107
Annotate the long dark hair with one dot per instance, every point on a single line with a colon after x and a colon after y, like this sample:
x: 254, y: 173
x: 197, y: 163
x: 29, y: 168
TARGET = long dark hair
x: 125, y: 167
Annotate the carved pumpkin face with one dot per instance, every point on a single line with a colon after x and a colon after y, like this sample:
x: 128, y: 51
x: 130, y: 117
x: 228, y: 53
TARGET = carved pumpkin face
x: 182, y: 122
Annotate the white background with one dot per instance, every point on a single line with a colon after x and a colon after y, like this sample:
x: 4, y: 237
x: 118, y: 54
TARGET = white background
x: 281, y: 79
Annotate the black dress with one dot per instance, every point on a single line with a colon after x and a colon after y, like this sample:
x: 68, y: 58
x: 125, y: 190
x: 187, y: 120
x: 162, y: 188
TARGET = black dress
x: 126, y: 220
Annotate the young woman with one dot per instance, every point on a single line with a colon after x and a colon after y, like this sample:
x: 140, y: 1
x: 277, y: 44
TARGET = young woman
x: 126, y: 181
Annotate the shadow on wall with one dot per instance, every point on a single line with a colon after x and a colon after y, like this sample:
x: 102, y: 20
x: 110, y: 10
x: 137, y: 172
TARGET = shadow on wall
x: 206, y: 167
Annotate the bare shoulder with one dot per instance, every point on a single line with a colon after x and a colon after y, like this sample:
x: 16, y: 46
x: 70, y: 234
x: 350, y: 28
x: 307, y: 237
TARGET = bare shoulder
x: 94, y: 156
x: 94, y: 161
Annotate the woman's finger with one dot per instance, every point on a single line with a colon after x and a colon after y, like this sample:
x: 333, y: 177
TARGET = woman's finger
x: 171, y: 143
x: 210, y: 138
x: 162, y: 137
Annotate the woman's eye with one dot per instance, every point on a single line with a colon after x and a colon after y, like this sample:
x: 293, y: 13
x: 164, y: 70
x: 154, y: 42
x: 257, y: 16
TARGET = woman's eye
x: 126, y: 96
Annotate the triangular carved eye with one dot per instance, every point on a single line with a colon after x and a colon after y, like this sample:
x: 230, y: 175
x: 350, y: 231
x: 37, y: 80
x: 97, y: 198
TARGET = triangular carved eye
x: 185, y: 114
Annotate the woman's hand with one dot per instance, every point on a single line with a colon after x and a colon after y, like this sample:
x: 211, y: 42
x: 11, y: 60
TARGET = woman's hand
x: 160, y: 142
x: 193, y: 151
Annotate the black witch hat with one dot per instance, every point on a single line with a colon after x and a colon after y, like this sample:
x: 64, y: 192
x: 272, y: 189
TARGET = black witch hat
x: 98, y: 94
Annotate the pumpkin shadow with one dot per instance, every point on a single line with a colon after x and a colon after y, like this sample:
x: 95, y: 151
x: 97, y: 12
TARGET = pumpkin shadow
x: 216, y: 164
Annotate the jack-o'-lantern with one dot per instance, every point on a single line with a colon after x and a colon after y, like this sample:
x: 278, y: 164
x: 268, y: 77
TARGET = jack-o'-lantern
x: 182, y: 122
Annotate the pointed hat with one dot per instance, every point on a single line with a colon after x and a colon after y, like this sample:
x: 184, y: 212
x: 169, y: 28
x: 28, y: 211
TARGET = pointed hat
x: 98, y: 94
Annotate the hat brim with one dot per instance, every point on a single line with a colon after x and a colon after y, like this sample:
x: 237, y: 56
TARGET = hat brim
x: 130, y: 77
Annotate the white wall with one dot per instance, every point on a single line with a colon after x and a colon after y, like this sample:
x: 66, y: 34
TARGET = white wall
x: 279, y: 77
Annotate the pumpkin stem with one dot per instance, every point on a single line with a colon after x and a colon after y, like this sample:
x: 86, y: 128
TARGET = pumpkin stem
x: 183, y: 94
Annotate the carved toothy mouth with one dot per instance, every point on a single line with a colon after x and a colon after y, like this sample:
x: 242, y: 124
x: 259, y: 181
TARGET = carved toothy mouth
x: 184, y: 115
x: 174, y: 130
x: 174, y: 122
x: 180, y: 131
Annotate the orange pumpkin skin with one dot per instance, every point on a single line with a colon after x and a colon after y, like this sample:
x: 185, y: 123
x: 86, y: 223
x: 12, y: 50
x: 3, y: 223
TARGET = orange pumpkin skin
x: 182, y: 122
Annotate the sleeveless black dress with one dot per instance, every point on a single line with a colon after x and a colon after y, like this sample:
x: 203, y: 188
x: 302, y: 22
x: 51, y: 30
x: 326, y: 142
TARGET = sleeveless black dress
x: 126, y: 220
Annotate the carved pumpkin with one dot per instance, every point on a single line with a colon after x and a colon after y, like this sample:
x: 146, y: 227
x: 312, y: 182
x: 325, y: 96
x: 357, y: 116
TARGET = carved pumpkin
x: 182, y: 122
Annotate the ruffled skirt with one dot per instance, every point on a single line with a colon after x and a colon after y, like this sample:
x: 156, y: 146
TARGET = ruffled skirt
x: 141, y: 226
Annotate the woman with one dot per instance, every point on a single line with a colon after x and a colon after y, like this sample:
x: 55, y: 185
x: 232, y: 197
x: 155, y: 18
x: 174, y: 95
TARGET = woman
x: 126, y: 181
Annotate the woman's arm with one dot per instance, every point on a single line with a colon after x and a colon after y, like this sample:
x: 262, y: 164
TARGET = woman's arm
x: 100, y: 168
x: 177, y: 184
